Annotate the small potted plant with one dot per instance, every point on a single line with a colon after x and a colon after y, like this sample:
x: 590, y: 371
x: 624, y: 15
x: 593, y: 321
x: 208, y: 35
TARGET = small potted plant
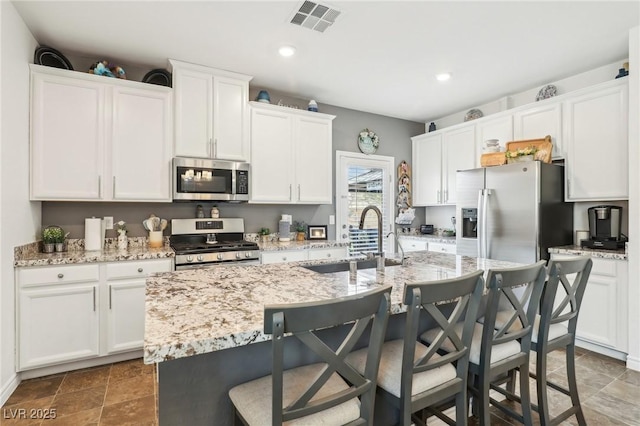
x: 521, y: 155
x: 51, y: 237
x: 301, y: 228
x: 264, y: 235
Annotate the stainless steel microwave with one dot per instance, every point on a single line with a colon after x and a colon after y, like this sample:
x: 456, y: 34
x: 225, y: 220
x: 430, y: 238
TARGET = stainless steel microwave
x: 206, y: 179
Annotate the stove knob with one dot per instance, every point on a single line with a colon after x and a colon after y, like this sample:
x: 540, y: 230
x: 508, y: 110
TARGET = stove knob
x: 189, y: 258
x: 238, y: 255
x: 200, y: 258
x: 219, y: 256
x: 247, y: 254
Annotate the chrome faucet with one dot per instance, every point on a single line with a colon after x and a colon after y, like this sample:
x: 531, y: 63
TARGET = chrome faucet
x: 398, y: 246
x: 380, y: 253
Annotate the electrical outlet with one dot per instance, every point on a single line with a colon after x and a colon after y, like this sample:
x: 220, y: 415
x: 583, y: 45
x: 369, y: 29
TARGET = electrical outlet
x: 332, y: 219
x: 108, y: 222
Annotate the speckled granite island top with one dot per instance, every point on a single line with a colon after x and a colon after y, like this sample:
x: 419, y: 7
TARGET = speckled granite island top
x: 299, y: 245
x: 198, y: 311
x: 429, y: 237
x: 596, y: 253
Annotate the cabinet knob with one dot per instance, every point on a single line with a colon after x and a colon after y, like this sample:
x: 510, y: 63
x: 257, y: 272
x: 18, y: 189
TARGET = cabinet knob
x: 328, y: 254
x: 60, y: 275
x: 284, y: 257
x: 140, y: 269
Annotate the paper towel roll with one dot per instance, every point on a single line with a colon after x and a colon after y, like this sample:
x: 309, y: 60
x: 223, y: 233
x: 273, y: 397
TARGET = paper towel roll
x: 93, y: 234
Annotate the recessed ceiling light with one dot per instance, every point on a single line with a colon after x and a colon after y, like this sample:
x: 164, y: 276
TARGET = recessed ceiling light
x: 287, y: 51
x: 443, y: 77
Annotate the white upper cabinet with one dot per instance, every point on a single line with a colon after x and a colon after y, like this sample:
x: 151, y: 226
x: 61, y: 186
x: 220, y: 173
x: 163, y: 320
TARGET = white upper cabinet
x: 211, y: 114
x: 436, y: 159
x: 291, y: 153
x: 141, y: 145
x: 540, y: 121
x: 597, y: 143
x: 500, y: 128
x: 99, y: 138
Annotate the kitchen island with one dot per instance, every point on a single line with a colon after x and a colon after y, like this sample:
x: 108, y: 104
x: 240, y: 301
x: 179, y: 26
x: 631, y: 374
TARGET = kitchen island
x: 204, y: 326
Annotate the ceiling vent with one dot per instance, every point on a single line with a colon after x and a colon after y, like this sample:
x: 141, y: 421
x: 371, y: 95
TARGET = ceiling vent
x: 315, y: 16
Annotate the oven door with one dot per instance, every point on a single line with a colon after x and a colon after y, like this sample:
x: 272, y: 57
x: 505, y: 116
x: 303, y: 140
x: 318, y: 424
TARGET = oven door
x: 251, y: 262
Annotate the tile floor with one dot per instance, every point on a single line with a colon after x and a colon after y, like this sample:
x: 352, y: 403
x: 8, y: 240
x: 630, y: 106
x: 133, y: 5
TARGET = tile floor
x: 124, y: 394
x: 119, y: 394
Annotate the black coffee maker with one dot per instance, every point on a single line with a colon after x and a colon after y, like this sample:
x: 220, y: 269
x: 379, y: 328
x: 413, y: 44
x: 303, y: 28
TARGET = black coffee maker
x: 604, y: 228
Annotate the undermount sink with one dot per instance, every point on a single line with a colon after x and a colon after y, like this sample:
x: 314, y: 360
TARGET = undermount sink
x: 328, y: 268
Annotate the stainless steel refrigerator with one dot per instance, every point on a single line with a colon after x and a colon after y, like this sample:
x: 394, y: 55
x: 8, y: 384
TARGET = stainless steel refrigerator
x: 513, y: 212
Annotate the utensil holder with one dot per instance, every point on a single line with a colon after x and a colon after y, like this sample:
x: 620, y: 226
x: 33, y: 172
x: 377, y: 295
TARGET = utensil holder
x: 155, y: 239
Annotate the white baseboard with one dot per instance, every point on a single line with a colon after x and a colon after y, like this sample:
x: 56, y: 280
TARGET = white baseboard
x: 76, y: 365
x: 8, y: 388
x: 633, y: 363
x: 613, y: 353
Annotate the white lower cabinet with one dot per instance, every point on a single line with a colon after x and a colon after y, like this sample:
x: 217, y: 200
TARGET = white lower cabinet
x: 77, y: 312
x: 282, y: 256
x: 603, y: 316
x: 442, y: 248
x: 412, y: 244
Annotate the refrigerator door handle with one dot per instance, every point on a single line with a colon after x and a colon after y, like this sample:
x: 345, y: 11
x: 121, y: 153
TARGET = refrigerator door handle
x: 480, y: 231
x: 485, y: 214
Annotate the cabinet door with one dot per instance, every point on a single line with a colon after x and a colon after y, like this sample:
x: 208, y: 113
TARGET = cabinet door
x: 141, y: 148
x: 314, y: 175
x: 442, y: 248
x: 58, y: 324
x: 283, y: 256
x: 597, y: 145
x: 67, y: 138
x: 272, y: 161
x: 412, y: 244
x: 193, y: 92
x: 500, y: 128
x: 427, y: 168
x: 459, y: 153
x: 125, y: 317
x: 328, y: 253
x: 538, y: 122
x: 230, y: 119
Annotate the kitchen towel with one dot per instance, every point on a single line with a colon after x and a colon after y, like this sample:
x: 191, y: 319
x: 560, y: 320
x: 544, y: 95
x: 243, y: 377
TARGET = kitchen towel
x: 93, y: 234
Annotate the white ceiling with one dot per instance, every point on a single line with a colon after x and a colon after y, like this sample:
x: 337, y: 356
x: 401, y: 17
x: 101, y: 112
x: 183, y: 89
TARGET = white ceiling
x: 379, y: 56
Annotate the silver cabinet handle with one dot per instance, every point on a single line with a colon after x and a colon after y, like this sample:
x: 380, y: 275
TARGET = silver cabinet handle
x: 298, y: 192
x: 110, y: 292
x: 438, y: 196
x: 215, y: 148
x: 94, y: 298
x: 290, y: 192
x: 114, y: 186
x: 60, y: 275
x: 99, y: 186
x: 446, y: 196
x: 209, y: 149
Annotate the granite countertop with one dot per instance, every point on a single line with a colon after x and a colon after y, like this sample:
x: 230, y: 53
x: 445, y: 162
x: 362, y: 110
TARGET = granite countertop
x: 30, y: 254
x: 299, y: 245
x: 198, y: 311
x: 429, y: 237
x: 619, y: 254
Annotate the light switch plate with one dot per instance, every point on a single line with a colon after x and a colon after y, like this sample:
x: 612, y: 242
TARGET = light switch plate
x: 108, y: 222
x: 332, y: 219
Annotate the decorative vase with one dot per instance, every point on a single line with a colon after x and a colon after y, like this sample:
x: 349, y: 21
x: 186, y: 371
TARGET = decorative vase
x: 48, y: 247
x: 300, y: 236
x: 123, y: 241
x: 155, y: 239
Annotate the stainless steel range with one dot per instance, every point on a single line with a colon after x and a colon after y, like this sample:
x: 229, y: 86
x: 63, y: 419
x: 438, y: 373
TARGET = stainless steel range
x: 202, y: 243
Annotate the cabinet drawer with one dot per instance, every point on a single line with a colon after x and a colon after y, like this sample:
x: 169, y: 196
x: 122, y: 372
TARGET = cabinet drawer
x: 120, y: 270
x: 284, y: 256
x: 58, y: 274
x: 442, y: 247
x: 328, y: 253
x: 409, y: 245
x: 605, y: 267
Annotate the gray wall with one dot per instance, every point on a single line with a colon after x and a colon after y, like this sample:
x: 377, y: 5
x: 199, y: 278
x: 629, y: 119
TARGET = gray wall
x: 395, y: 141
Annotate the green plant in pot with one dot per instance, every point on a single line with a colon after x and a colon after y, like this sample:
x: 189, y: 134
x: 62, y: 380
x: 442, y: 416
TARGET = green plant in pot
x: 264, y: 234
x: 53, y: 238
x: 301, y: 229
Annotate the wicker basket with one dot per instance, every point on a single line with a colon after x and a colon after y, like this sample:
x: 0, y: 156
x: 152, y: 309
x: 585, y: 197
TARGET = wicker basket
x: 543, y: 146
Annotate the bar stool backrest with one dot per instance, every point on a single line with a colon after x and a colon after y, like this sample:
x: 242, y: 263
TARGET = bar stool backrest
x: 366, y: 311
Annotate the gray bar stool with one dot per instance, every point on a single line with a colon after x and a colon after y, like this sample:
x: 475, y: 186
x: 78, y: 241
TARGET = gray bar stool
x: 555, y: 328
x: 514, y: 295
x: 414, y: 376
x: 329, y: 391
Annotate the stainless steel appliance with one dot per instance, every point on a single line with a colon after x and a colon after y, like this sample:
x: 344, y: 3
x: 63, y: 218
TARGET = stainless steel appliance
x: 604, y: 228
x: 206, y: 179
x: 200, y: 243
x: 513, y: 212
